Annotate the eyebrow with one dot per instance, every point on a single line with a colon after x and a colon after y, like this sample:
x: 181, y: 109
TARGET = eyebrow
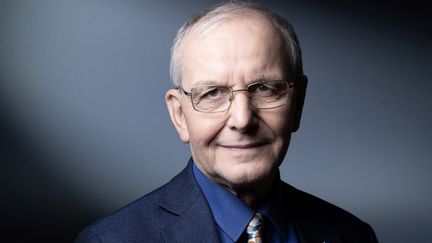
x: 207, y: 82
x: 263, y: 77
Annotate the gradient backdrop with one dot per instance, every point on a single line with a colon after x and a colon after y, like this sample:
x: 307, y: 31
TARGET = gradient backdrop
x: 84, y: 128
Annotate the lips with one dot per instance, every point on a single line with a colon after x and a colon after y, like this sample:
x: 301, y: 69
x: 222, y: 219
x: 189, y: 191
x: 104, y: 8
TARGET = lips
x: 244, y: 145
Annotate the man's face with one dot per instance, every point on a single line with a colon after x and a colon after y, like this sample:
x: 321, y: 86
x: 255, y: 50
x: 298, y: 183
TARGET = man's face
x: 242, y: 146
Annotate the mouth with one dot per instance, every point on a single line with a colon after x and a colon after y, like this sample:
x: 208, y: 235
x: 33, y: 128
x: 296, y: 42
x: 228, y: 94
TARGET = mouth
x: 244, y: 146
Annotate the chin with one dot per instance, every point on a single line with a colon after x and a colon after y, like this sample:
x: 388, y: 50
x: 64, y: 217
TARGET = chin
x: 248, y: 176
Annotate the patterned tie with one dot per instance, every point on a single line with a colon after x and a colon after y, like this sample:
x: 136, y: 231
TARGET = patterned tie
x: 255, y: 229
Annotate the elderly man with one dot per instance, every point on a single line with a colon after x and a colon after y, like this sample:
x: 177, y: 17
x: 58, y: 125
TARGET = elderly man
x: 238, y: 95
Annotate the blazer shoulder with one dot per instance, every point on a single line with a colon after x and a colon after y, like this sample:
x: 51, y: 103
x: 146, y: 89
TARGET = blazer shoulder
x: 137, y: 220
x: 141, y: 220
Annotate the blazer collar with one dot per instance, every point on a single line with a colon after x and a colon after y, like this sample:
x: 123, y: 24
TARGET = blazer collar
x: 185, y: 214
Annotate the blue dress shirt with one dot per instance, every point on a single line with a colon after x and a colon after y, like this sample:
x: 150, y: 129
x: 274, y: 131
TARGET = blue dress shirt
x: 232, y: 215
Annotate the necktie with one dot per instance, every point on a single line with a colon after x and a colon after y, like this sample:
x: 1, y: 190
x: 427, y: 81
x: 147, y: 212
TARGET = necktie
x: 255, y: 229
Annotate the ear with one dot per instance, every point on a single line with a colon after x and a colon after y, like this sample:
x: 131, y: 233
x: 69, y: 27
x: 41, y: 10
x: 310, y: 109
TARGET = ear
x: 300, y: 93
x: 175, y: 109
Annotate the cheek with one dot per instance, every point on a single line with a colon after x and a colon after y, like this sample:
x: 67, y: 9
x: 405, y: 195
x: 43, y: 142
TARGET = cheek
x: 202, y: 130
x: 280, y: 125
x: 280, y: 122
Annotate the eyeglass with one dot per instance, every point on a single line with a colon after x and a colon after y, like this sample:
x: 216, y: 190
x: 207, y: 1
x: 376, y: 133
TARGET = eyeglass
x: 263, y: 95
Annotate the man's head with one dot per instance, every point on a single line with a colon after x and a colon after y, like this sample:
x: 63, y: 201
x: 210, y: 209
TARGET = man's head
x: 235, y: 45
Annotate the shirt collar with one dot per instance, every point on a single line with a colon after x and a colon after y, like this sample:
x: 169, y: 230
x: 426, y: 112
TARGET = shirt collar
x: 229, y: 212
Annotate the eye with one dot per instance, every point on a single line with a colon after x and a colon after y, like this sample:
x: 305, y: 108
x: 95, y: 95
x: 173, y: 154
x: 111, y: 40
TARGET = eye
x: 262, y: 88
x: 259, y: 88
x: 211, y: 93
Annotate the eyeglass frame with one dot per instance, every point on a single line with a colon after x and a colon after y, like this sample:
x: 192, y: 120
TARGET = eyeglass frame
x: 231, y: 97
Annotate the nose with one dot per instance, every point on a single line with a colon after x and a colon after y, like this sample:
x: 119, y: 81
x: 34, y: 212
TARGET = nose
x: 241, y: 113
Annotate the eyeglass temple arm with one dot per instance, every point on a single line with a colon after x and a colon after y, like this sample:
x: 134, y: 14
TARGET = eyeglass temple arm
x: 184, y: 91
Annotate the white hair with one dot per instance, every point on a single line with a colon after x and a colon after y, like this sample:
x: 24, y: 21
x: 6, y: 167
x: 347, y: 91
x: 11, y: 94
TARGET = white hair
x: 204, y: 21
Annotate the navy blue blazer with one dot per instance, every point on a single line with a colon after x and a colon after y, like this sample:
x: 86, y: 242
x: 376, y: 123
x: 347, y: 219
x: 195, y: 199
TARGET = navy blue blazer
x: 179, y: 212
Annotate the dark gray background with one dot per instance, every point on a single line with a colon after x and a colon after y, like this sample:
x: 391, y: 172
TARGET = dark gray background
x: 84, y: 128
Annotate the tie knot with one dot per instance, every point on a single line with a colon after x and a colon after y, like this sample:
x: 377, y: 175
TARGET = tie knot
x: 255, y: 229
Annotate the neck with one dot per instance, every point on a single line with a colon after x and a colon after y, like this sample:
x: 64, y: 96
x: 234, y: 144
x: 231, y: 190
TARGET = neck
x: 255, y: 195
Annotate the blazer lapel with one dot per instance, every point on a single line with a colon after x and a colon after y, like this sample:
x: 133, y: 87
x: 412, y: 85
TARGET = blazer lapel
x: 308, y: 232
x: 307, y: 225
x: 185, y: 214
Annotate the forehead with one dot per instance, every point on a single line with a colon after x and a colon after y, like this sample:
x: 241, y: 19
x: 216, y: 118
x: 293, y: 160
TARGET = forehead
x: 207, y: 23
x: 244, y: 18
x: 241, y: 44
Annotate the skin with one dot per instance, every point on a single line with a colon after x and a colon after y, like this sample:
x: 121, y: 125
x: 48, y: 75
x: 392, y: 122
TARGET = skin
x: 243, y: 147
